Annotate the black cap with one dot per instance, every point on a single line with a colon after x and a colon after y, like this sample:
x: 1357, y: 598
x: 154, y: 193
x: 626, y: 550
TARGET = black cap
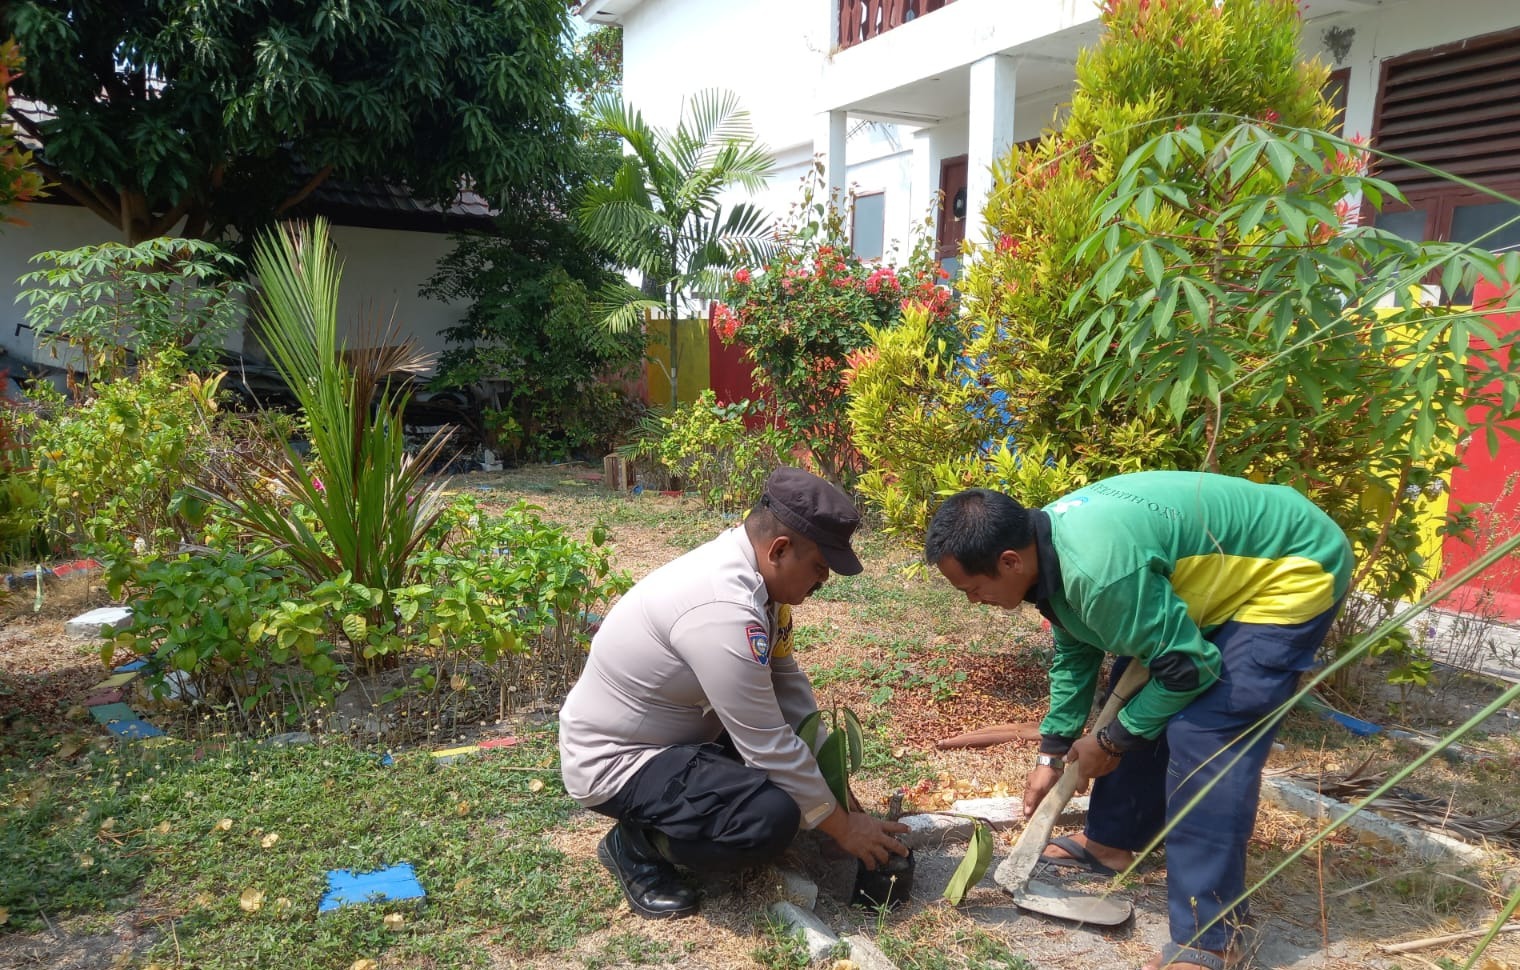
x: 814, y: 508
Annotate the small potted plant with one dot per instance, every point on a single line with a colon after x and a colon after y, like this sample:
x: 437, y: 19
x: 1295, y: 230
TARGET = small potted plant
x: 839, y: 755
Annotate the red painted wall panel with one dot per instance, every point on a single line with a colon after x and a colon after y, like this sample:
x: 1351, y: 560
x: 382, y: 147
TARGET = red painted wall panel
x: 1485, y: 478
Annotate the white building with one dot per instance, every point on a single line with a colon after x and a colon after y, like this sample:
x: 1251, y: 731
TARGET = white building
x: 389, y: 243
x: 952, y: 84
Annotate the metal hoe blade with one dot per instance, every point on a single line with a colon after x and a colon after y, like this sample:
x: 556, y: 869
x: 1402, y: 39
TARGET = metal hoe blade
x: 1048, y: 899
x: 1014, y: 873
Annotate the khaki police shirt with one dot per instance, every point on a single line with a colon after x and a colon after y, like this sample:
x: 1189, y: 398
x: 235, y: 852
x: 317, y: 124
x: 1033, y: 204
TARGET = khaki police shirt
x: 692, y: 650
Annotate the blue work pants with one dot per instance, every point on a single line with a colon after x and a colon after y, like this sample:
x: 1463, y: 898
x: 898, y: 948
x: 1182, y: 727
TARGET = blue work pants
x: 1206, y: 847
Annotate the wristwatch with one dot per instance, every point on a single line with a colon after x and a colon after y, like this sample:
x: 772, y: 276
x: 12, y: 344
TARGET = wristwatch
x: 1049, y: 761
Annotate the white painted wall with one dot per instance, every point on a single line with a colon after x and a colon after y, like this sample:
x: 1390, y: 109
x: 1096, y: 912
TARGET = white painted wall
x: 382, y: 268
x: 770, y: 54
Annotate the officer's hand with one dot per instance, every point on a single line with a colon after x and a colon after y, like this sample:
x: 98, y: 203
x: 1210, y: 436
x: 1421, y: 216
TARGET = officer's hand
x: 1091, y: 760
x: 866, y: 837
x: 1041, y: 780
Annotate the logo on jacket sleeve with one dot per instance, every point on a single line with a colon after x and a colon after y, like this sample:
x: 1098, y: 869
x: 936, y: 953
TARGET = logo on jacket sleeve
x: 783, y: 645
x: 759, y: 643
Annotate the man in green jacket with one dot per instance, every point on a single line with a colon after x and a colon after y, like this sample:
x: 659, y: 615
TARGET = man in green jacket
x: 1225, y: 590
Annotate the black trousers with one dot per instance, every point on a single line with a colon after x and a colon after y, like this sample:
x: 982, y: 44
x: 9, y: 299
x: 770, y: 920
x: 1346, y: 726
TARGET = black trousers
x: 704, y: 809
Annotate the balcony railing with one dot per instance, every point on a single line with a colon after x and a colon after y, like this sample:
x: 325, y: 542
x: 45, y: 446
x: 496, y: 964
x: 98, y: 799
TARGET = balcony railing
x: 860, y: 20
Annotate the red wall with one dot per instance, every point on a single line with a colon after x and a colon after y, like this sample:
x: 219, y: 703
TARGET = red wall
x: 1482, y: 477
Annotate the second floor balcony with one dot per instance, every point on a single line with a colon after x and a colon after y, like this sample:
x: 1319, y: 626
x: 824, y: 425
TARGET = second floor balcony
x: 860, y: 20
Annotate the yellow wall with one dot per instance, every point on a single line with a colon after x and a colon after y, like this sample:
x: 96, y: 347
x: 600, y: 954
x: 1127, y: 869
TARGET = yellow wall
x: 695, y: 375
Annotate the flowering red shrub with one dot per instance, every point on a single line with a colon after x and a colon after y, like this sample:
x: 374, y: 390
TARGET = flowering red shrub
x: 801, y: 317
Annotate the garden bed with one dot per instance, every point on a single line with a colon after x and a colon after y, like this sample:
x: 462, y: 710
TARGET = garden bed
x: 889, y: 646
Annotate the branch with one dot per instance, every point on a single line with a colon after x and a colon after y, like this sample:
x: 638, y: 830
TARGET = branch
x: 82, y: 194
x: 305, y: 190
x: 1370, y: 560
x: 101, y: 206
x: 167, y: 221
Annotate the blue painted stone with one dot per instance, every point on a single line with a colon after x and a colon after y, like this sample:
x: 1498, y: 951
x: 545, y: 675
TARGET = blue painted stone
x: 134, y: 729
x: 106, y: 713
x: 346, y: 888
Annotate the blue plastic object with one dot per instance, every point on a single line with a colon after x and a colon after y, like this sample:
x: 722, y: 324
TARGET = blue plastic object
x: 134, y: 729
x: 127, y: 668
x: 346, y: 888
x: 1353, y: 724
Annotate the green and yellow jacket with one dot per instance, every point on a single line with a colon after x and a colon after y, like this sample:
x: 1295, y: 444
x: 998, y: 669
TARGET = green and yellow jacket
x: 1149, y: 564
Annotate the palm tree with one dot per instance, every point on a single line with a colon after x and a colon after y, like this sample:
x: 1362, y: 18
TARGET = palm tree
x: 662, y: 213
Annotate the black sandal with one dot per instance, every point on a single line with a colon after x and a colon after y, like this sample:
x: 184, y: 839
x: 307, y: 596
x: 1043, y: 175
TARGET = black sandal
x: 1177, y: 953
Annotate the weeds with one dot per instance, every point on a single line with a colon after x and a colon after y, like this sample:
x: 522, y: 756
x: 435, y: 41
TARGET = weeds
x: 206, y: 835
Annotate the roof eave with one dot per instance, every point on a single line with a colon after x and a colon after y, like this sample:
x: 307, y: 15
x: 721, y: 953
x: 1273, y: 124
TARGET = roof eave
x: 605, y: 11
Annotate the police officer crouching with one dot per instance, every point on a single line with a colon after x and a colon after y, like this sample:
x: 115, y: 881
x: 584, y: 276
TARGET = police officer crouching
x: 682, y: 727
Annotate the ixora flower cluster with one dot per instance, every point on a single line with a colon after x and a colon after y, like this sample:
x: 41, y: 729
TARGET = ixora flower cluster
x: 800, y: 319
x: 806, y: 293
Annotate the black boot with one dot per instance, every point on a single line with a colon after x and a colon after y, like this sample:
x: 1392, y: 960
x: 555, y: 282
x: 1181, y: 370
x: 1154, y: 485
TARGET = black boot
x: 650, y: 883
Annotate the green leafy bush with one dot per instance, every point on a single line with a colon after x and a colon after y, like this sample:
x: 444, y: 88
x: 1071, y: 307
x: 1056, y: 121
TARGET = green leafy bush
x: 1155, y: 65
x: 115, y: 465
x: 531, y: 344
x: 495, y: 617
x: 706, y: 446
x: 22, y: 535
x: 115, y: 303
x: 362, y: 505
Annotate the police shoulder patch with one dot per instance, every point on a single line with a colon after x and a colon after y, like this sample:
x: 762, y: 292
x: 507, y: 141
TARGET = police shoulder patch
x: 759, y: 643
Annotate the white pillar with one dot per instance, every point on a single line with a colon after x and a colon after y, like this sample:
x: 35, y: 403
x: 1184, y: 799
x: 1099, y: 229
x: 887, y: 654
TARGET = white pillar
x: 923, y: 183
x: 829, y: 145
x: 989, y: 133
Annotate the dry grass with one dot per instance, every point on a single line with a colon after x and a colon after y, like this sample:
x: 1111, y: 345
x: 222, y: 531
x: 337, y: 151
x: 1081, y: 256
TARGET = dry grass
x: 891, y: 647
x: 886, y: 630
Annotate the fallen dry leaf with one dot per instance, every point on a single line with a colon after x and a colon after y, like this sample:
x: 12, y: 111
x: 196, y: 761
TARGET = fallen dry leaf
x: 5, y: 916
x: 395, y: 922
x: 364, y: 965
x: 269, y: 840
x: 86, y: 861
x: 463, y: 808
x: 459, y: 681
x: 283, y: 904
x: 536, y: 784
x: 251, y: 901
x: 163, y: 828
x: 222, y: 826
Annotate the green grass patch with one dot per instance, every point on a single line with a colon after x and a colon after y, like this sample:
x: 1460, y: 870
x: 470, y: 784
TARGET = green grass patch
x: 240, y: 841
x: 922, y: 944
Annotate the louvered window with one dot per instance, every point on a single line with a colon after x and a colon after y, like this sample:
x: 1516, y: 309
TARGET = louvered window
x: 1456, y: 108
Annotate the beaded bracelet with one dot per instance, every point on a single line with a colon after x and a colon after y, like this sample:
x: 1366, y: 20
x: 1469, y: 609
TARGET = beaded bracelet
x: 1107, y: 744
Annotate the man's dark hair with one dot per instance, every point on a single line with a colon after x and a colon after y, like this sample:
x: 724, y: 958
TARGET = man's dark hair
x: 762, y: 525
x: 975, y: 527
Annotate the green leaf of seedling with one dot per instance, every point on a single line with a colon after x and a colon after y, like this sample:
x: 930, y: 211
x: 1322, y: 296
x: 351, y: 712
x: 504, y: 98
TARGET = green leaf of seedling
x: 974, y: 866
x: 808, y: 729
x: 833, y: 764
x: 355, y: 627
x: 855, y: 738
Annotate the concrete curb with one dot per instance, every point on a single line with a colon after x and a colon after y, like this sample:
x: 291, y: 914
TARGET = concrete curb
x: 1423, y: 845
x: 816, y: 936
x: 866, y: 955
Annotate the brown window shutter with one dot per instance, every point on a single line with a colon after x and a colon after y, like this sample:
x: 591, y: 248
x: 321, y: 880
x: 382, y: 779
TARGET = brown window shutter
x: 1456, y: 108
